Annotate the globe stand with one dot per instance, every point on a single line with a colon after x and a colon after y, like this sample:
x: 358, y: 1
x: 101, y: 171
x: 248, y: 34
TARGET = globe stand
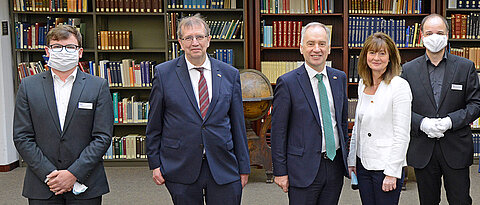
x: 260, y: 152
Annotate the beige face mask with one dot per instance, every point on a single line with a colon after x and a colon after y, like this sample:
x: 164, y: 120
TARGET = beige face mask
x: 435, y: 42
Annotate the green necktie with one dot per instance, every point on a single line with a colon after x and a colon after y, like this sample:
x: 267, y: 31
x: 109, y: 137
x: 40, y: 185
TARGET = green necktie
x: 326, y: 118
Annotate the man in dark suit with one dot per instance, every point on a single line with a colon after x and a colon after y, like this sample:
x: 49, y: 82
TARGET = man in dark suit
x: 309, y: 124
x: 446, y: 99
x: 196, y: 140
x: 63, y: 125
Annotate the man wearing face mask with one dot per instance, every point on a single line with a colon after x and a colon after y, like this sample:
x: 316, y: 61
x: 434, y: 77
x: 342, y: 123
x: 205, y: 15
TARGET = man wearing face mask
x: 63, y: 125
x: 446, y: 99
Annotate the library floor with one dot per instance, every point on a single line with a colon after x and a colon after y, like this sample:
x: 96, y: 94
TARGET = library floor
x: 133, y: 185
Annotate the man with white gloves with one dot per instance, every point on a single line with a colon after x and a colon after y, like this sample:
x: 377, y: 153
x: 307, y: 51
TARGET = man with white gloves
x: 446, y: 99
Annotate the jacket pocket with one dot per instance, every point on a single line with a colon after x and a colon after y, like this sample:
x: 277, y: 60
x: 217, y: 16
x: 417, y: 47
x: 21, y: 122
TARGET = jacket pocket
x: 171, y: 143
x: 295, y: 150
x: 383, y: 142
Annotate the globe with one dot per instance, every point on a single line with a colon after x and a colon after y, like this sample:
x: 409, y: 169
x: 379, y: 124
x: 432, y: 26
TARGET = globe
x: 257, y: 94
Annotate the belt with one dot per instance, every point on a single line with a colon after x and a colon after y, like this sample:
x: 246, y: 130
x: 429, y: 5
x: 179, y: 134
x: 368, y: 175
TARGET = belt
x: 324, y: 155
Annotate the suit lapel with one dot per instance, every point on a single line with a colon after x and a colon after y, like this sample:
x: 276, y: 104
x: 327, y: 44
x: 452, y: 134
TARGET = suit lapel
x: 216, y: 82
x: 77, y: 89
x: 335, y: 87
x: 450, y: 69
x: 184, y: 77
x: 304, y: 81
x: 50, y: 98
x: 425, y: 80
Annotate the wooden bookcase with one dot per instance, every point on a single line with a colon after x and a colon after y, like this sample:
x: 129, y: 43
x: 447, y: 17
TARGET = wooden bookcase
x: 340, y: 50
x: 149, y: 41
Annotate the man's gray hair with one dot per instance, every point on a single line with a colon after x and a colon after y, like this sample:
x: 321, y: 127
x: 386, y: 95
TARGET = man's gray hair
x: 191, y: 21
x: 315, y: 24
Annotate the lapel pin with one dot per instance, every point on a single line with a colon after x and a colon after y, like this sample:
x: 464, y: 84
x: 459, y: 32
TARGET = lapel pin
x: 219, y: 75
x: 334, y: 77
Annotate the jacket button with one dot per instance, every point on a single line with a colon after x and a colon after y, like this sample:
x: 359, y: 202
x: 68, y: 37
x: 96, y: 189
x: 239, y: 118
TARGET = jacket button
x: 369, y: 134
x: 63, y: 139
x: 60, y: 161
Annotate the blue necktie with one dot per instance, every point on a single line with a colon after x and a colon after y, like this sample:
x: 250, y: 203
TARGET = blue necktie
x: 326, y: 118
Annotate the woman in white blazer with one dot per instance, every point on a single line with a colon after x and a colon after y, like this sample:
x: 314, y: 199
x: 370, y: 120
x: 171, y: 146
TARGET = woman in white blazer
x: 381, y: 133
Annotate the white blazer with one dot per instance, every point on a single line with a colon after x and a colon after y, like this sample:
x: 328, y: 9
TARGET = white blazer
x: 384, y: 132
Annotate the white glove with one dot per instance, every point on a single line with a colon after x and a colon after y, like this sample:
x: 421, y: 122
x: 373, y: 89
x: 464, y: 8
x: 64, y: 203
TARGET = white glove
x: 444, y: 124
x: 429, y: 126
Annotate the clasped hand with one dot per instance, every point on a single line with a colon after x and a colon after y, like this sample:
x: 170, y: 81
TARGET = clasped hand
x: 435, y: 127
x: 61, y: 181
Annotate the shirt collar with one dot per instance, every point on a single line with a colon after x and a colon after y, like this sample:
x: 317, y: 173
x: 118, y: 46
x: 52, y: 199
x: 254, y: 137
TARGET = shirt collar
x: 73, y: 75
x: 206, y: 64
x: 311, y: 72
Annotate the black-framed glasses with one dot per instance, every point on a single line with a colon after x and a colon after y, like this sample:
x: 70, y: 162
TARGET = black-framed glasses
x: 190, y: 38
x: 71, y: 48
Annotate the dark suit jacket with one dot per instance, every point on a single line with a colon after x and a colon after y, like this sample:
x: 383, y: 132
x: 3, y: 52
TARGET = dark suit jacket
x: 79, y: 148
x: 461, y: 105
x: 296, y: 127
x: 177, y: 134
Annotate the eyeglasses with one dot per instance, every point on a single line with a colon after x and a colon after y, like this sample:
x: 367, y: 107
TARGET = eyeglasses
x: 71, y: 48
x: 190, y: 38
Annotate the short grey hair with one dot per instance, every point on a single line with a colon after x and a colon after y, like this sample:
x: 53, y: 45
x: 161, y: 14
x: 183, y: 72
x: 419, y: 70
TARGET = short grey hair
x: 315, y: 24
x: 191, y: 21
x: 433, y: 16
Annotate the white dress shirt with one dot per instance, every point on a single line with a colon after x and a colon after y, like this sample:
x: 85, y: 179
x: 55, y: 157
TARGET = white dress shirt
x: 314, y: 82
x: 195, y: 77
x: 62, y: 94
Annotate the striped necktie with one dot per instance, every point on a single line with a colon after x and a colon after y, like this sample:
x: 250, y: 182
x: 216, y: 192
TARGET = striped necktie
x: 202, y: 92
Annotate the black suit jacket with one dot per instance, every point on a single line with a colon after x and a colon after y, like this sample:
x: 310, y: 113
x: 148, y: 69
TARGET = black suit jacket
x: 459, y: 99
x: 79, y: 148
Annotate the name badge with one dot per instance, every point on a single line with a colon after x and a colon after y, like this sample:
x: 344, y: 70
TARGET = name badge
x: 84, y: 105
x: 456, y: 87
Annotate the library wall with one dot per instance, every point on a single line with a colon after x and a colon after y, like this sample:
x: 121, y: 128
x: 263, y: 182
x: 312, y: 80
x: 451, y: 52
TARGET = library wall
x: 8, y: 153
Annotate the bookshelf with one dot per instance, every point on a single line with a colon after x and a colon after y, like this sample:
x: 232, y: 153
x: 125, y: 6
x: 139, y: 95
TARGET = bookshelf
x: 149, y: 41
x: 339, y: 18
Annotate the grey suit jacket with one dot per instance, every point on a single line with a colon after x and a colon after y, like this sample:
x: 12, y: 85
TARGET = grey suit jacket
x: 78, y: 148
x: 459, y: 99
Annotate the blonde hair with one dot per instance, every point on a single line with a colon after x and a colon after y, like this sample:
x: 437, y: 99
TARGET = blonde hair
x: 377, y: 42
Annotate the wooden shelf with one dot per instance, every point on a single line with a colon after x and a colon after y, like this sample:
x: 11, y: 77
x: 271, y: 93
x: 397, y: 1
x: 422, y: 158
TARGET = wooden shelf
x: 131, y: 124
x: 464, y: 40
x: 129, y: 14
x: 463, y: 10
x: 293, y: 48
x: 407, y: 48
x: 204, y: 10
x: 137, y: 50
x: 313, y: 15
x: 89, y: 50
x: 51, y: 13
x: 217, y: 40
x: 130, y: 88
x: 389, y: 15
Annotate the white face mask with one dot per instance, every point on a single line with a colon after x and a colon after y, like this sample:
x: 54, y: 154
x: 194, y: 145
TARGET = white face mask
x: 435, y: 42
x: 63, y: 60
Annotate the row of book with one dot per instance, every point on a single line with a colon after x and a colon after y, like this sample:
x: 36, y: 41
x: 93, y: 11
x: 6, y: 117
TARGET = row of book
x: 51, y: 5
x: 132, y: 146
x: 464, y: 26
x: 113, y: 40
x: 353, y: 76
x: 274, y: 69
x: 202, y: 4
x: 360, y: 28
x: 125, y: 73
x: 218, y: 29
x: 224, y: 55
x: 471, y: 53
x: 297, y: 6
x: 131, y: 6
x: 352, y: 107
x: 282, y: 34
x: 26, y: 69
x: 476, y: 144
x: 175, y: 51
x: 463, y: 4
x: 33, y: 35
x: 129, y: 110
x: 385, y: 6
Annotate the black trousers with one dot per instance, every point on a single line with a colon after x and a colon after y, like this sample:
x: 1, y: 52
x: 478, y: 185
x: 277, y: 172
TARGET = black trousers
x: 65, y: 199
x: 326, y: 187
x: 193, y: 194
x: 370, y: 186
x: 457, y: 181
